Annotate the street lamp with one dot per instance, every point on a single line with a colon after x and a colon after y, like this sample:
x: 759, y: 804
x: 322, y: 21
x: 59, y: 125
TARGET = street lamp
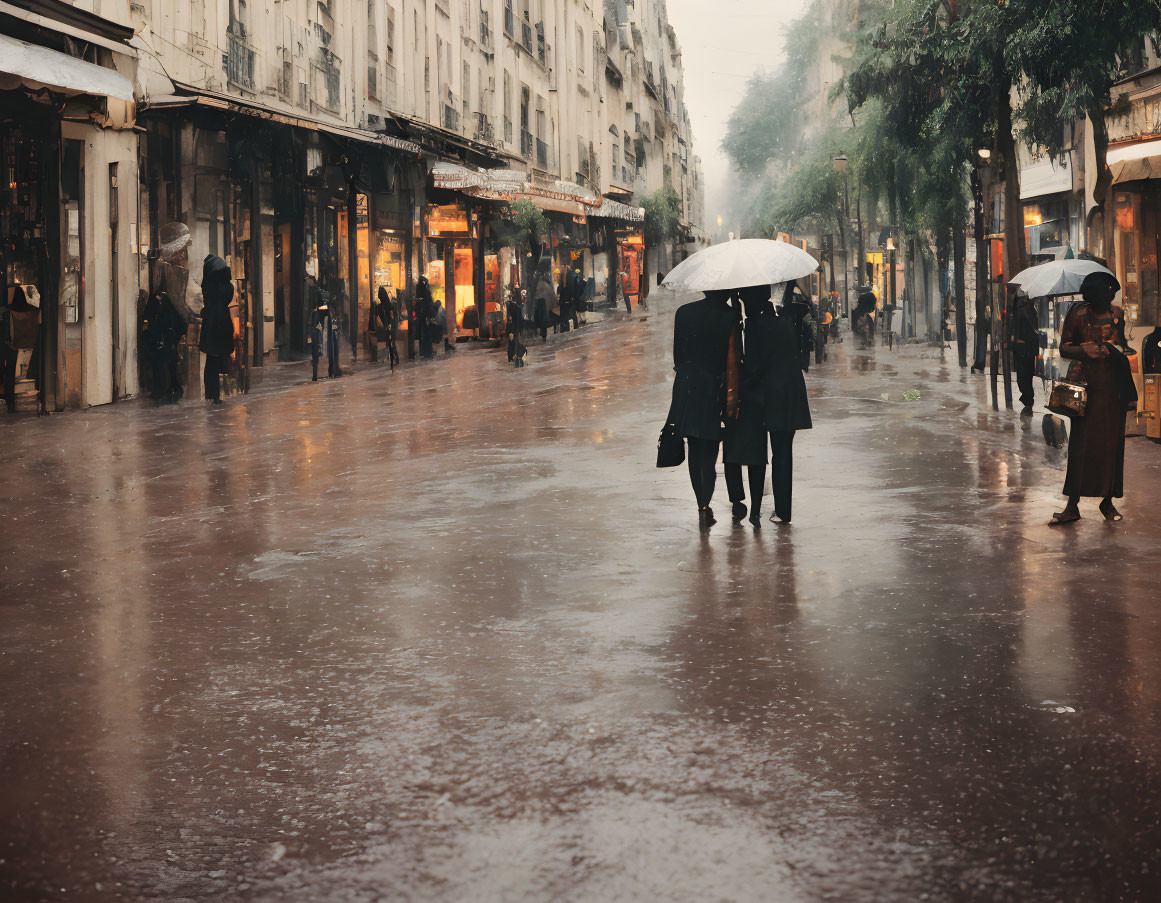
x: 840, y: 165
x: 985, y: 153
x: 891, y: 282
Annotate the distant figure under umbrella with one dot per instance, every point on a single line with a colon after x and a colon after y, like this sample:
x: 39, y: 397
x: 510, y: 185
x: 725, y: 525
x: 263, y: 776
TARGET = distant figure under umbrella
x: 701, y: 340
x: 863, y: 319
x: 1094, y: 336
x: 216, y: 341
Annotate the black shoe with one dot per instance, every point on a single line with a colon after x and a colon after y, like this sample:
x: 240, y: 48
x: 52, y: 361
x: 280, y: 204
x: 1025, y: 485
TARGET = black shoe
x: 739, y: 510
x: 705, y: 518
x: 217, y: 401
x: 756, y: 520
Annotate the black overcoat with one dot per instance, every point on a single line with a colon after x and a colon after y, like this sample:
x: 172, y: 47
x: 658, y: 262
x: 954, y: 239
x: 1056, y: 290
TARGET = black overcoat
x: 217, y: 336
x: 773, y: 388
x: 701, y: 344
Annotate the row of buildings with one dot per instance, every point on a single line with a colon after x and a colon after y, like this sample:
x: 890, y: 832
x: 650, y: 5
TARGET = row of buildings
x: 363, y: 143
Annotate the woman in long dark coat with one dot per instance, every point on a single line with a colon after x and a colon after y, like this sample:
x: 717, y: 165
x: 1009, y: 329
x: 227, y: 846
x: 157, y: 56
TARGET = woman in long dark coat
x: 216, y: 341
x: 424, y: 306
x: 1093, y: 334
x: 774, y: 403
x: 701, y: 340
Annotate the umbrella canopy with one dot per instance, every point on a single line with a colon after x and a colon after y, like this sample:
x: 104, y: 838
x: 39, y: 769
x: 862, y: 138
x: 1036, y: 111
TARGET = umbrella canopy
x: 1059, y: 277
x: 740, y: 263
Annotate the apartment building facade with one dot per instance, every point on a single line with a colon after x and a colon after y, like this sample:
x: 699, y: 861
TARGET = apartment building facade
x: 343, y: 144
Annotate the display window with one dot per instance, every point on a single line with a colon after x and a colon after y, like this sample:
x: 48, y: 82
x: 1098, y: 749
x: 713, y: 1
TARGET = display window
x: 465, y: 289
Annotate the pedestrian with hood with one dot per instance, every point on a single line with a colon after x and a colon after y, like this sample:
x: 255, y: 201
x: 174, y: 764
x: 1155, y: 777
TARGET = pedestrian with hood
x: 1093, y: 337
x: 701, y: 343
x: 424, y: 310
x: 863, y: 318
x: 774, y: 407
x: 162, y: 330
x: 216, y: 341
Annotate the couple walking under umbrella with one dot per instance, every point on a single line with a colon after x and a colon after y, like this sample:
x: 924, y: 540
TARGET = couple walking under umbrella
x: 743, y: 386
x: 751, y: 381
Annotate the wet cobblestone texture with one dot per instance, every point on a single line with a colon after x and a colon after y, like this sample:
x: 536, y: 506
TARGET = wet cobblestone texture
x: 449, y: 635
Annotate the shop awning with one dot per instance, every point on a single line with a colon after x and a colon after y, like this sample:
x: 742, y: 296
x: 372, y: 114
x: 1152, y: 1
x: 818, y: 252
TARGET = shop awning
x: 35, y: 67
x: 1134, y: 162
x: 456, y: 177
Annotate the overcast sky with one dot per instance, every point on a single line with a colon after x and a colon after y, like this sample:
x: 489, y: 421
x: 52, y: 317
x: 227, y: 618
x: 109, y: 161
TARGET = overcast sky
x: 723, y: 42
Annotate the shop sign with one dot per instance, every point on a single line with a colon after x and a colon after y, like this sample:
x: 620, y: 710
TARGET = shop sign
x: 447, y: 220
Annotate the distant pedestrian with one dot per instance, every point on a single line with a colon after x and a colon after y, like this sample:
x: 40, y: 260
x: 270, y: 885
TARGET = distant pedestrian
x: 424, y: 312
x: 1093, y: 337
x: 774, y: 404
x: 216, y: 341
x: 162, y: 330
x: 386, y: 319
x: 701, y: 340
x: 514, y: 311
x: 798, y: 308
x: 544, y: 300
x: 863, y: 317
x: 1026, y: 349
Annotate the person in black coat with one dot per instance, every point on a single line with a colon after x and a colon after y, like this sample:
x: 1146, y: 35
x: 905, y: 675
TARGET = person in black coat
x: 701, y: 340
x: 162, y: 329
x: 217, y: 337
x: 774, y: 404
x: 424, y: 310
x: 1151, y: 352
x: 1025, y: 349
x: 515, y: 315
x: 386, y: 316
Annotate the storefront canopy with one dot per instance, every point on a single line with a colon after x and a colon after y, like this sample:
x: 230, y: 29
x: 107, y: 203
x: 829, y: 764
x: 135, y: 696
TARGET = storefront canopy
x: 513, y: 185
x: 1133, y: 162
x: 31, y: 66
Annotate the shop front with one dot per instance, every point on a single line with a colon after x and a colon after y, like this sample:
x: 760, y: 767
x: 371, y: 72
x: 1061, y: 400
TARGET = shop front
x: 452, y: 252
x: 68, y: 228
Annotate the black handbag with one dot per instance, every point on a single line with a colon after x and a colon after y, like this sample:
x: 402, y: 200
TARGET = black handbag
x: 670, y: 447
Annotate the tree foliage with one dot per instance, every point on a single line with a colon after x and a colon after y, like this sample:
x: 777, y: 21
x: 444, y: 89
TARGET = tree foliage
x: 662, y: 216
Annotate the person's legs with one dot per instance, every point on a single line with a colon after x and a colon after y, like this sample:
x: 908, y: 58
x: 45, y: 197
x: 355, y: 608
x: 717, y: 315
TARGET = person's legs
x: 176, y: 390
x: 782, y: 472
x: 8, y: 358
x: 757, y: 475
x: 1025, y: 376
x: 703, y: 462
x: 212, y: 378
x: 736, y: 490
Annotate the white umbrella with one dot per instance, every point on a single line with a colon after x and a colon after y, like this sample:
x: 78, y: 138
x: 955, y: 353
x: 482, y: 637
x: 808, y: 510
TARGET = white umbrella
x: 740, y: 263
x: 1058, y: 277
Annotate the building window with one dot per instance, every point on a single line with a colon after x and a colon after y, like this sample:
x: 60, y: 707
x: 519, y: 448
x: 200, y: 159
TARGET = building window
x: 580, y: 50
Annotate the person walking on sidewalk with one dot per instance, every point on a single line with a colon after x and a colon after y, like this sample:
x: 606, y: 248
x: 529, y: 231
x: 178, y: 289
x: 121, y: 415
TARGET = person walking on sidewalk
x: 1092, y: 337
x: 386, y: 317
x: 774, y: 404
x: 701, y: 341
x: 1025, y: 349
x: 216, y: 341
x: 424, y: 311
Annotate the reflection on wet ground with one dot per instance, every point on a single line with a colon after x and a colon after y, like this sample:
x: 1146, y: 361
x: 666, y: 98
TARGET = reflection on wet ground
x: 448, y: 634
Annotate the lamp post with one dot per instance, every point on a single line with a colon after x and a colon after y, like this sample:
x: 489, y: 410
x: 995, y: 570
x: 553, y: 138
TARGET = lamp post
x: 891, y: 289
x: 840, y: 165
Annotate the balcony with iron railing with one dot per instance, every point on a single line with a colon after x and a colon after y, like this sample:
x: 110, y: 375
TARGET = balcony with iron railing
x: 527, y: 144
x: 526, y: 35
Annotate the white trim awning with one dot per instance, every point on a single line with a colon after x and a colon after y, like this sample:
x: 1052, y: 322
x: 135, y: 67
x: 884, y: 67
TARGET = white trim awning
x: 35, y: 67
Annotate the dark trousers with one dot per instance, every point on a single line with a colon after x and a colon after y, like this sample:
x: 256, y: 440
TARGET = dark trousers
x: 703, y: 468
x: 782, y: 471
x: 392, y: 351
x: 164, y: 377
x: 757, y: 475
x: 1025, y: 364
x: 8, y: 357
x: 212, y: 376
x: 333, y: 368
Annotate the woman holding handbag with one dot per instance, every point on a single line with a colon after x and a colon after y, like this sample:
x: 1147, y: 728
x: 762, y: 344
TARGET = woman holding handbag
x: 1092, y: 337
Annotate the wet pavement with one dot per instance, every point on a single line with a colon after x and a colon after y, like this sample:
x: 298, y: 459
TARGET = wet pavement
x: 448, y: 634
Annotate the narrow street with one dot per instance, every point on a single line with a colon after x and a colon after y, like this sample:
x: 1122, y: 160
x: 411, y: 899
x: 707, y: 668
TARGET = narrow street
x: 448, y: 634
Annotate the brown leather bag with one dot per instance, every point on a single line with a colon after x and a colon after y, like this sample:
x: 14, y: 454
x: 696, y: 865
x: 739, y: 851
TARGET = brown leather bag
x: 1068, y: 399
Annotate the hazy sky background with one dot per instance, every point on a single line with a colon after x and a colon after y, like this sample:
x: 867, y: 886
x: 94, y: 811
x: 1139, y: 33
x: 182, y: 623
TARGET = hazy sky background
x: 723, y: 42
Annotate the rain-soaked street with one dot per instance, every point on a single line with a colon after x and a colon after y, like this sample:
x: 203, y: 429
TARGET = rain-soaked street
x: 449, y: 634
